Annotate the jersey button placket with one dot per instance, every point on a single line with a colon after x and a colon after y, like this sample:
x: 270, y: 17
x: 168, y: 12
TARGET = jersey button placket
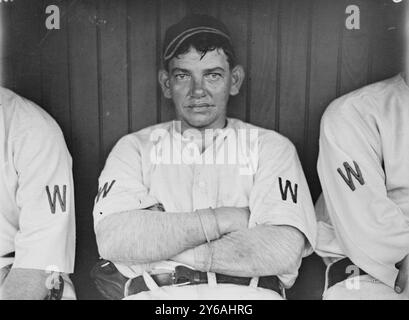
x: 200, y: 197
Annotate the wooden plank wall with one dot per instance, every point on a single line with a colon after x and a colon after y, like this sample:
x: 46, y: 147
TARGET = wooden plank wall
x: 97, y: 74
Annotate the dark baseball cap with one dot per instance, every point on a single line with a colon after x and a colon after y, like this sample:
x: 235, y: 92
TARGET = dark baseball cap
x: 189, y: 26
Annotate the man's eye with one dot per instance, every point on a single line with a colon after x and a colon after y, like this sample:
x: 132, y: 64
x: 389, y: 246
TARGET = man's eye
x: 213, y: 76
x: 181, y: 76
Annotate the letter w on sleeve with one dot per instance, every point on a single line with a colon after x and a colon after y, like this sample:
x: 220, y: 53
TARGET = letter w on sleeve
x: 371, y: 229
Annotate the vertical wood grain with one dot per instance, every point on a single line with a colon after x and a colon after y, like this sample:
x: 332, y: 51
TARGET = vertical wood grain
x: 26, y: 26
x: 55, y: 71
x: 264, y: 71
x: 234, y: 13
x: 113, y: 72
x: 170, y: 12
x: 295, y: 38
x: 328, y: 23
x: 142, y: 72
x: 82, y: 39
x: 210, y: 7
x: 356, y: 56
x: 6, y: 46
x: 387, y: 42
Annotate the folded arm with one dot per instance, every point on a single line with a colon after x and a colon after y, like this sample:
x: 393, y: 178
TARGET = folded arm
x: 144, y: 236
x: 260, y: 251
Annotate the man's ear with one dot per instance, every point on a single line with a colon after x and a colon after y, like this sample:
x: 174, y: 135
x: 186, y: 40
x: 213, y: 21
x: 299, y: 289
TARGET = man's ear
x: 164, y: 81
x: 237, y: 78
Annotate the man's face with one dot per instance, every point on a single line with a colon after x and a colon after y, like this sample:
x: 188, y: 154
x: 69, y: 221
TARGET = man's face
x: 200, y: 87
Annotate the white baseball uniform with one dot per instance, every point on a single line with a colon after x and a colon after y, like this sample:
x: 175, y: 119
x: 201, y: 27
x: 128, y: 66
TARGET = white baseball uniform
x: 37, y: 221
x: 155, y: 165
x: 363, y: 166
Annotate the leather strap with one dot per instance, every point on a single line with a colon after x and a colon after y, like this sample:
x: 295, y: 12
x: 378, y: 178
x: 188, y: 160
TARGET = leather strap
x: 341, y: 270
x: 187, y: 276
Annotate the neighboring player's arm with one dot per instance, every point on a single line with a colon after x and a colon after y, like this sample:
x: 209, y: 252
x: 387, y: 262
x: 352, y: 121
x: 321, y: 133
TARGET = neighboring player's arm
x: 46, y: 238
x: 371, y: 229
x: 25, y: 284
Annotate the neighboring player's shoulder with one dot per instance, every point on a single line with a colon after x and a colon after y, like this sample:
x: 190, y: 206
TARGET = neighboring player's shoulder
x: 24, y: 115
x: 360, y: 102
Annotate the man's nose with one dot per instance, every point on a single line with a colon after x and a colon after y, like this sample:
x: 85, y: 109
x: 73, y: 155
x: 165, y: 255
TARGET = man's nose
x: 197, y: 88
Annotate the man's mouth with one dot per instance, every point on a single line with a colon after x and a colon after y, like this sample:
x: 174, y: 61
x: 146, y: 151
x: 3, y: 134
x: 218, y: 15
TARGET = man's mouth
x: 200, y: 106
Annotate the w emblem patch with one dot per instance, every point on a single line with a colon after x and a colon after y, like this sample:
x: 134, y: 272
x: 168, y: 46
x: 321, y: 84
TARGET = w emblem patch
x: 104, y: 190
x: 351, y: 172
x: 288, y: 189
x: 57, y: 194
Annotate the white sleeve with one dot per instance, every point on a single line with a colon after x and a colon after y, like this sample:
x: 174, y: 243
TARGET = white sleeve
x: 370, y: 227
x: 280, y: 195
x: 121, y: 185
x: 45, y: 196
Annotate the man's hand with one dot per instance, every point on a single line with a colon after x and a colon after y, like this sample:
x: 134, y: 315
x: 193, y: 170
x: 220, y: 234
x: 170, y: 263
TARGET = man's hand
x: 232, y: 219
x: 402, y: 281
x: 229, y: 219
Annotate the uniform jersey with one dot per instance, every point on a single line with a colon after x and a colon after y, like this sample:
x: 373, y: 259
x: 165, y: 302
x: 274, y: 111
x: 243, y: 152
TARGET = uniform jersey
x: 36, y: 189
x: 241, y: 166
x: 363, y: 166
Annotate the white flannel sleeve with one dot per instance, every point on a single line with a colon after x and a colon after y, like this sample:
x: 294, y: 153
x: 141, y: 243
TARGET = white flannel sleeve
x: 121, y: 185
x: 45, y: 196
x: 371, y: 229
x: 280, y: 195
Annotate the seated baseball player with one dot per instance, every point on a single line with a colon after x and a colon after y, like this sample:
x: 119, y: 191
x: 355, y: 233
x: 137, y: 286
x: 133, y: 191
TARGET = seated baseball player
x: 205, y: 206
x: 363, y: 165
x: 37, y: 226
